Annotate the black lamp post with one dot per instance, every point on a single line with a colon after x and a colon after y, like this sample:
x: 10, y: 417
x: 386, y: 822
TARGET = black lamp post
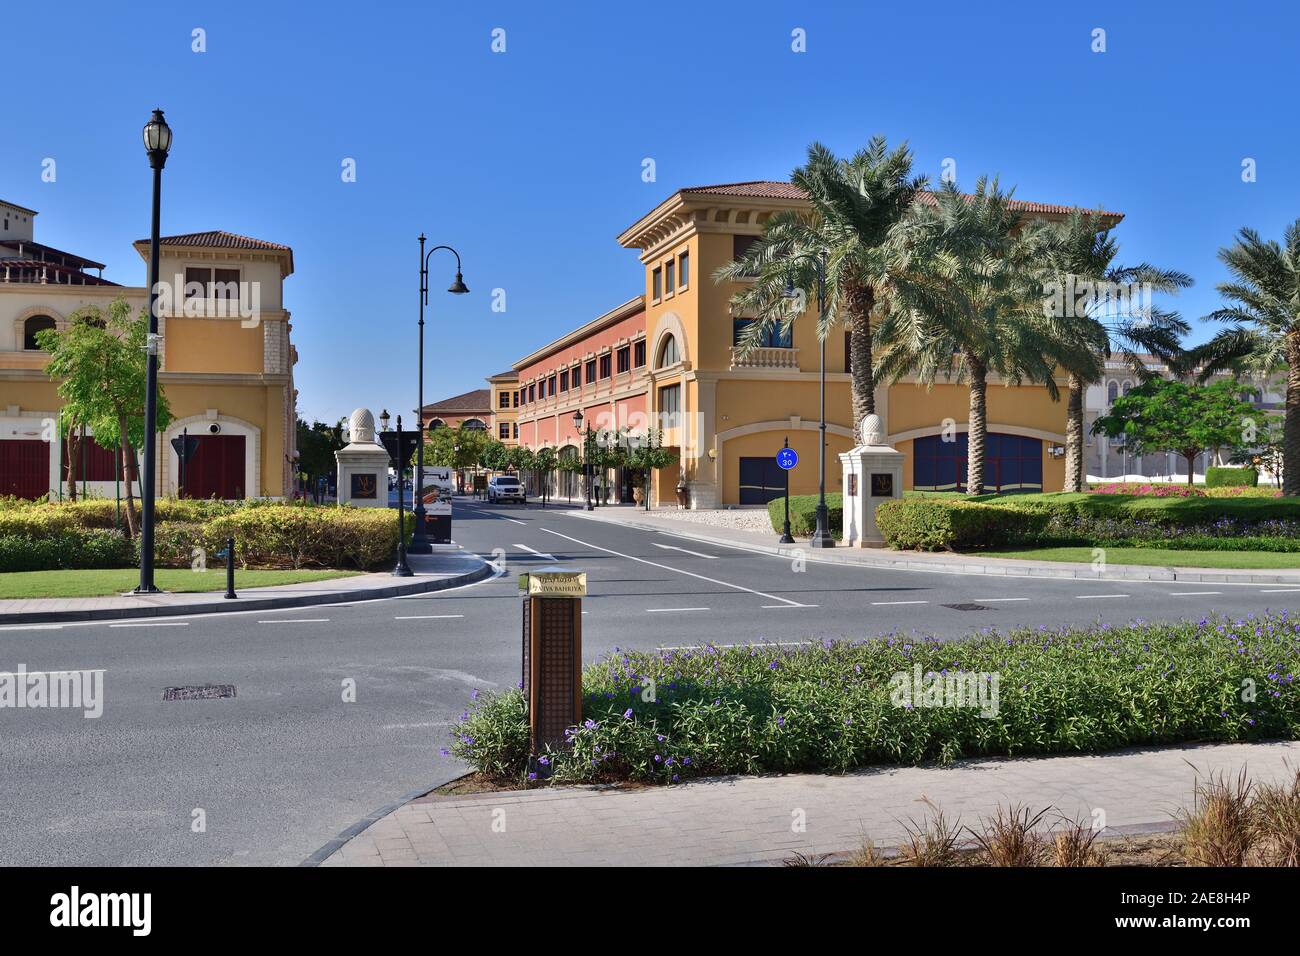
x: 419, y: 540
x: 821, y: 536
x: 157, y: 143
x: 398, y: 450
x: 586, y: 465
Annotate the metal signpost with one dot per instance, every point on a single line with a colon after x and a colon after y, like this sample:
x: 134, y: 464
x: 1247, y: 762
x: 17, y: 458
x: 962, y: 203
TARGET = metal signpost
x: 552, y: 656
x: 786, y: 459
x: 185, y: 447
x: 399, y: 445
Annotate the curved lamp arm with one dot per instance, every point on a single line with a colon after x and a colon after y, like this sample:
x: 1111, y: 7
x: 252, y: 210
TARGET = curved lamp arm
x: 424, y: 272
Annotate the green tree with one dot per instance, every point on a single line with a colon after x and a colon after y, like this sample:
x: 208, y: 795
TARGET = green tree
x: 317, y: 443
x: 966, y: 304
x: 1186, y: 419
x: 1094, y: 296
x: 1264, y: 310
x: 855, y: 204
x: 100, y: 365
x: 545, y: 461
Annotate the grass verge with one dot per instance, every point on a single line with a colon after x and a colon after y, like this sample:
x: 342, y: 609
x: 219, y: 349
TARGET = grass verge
x: 98, y: 583
x: 1159, y: 557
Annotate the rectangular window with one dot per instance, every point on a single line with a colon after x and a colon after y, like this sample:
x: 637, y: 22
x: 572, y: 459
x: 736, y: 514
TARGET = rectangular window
x: 684, y: 269
x: 775, y: 338
x: 591, y: 372
x: 515, y: 429
x: 225, y: 284
x: 564, y: 380
x: 670, y: 405
x: 740, y: 245
x: 604, y: 366
x: 656, y: 285
x: 551, y: 390
x: 638, y: 354
x: 503, y: 400
x: 503, y: 430
x: 516, y: 398
x: 532, y: 393
x: 624, y: 359
x: 196, y: 277
x: 670, y: 271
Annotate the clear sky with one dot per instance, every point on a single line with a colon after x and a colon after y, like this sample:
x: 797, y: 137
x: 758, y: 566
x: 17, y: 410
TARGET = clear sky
x: 529, y: 161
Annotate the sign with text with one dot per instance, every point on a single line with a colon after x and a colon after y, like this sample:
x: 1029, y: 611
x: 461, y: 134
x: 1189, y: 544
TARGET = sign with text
x: 557, y: 584
x: 787, y: 458
x: 882, y: 485
x: 365, y: 486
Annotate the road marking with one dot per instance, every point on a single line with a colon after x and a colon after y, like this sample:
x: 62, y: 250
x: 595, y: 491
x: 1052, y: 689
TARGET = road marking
x: 540, y: 554
x: 1278, y: 590
x: 784, y: 607
x: 33, y: 627
x: 155, y: 624
x: 673, y: 547
x: 669, y: 567
x: 1089, y: 597
x: 298, y: 620
x: 998, y: 600
x: 887, y: 603
x: 1191, y: 593
x: 664, y: 610
x: 425, y: 617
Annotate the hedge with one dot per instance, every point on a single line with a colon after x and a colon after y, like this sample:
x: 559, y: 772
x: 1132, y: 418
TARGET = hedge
x: 288, y: 536
x: 803, y: 514
x: 65, y: 549
x: 929, y: 524
x: 1231, y: 477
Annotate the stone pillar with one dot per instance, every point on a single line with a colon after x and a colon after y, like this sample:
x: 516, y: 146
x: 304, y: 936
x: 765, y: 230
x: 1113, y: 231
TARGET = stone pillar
x: 872, y: 474
x: 363, y: 465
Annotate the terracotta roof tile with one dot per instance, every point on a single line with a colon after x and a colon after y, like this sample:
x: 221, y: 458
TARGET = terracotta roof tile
x: 218, y: 239
x: 479, y: 400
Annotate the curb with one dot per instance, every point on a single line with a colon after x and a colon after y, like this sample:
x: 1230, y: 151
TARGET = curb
x: 356, y: 829
x: 483, y: 570
x: 1012, y: 568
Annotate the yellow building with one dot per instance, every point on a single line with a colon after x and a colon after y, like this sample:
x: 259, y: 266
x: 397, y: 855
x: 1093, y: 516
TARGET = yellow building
x: 225, y: 357
x: 505, y: 406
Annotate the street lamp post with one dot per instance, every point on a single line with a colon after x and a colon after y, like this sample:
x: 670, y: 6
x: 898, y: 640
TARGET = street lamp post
x: 419, y: 540
x: 586, y: 465
x: 821, y: 537
x: 157, y: 143
x: 401, y: 570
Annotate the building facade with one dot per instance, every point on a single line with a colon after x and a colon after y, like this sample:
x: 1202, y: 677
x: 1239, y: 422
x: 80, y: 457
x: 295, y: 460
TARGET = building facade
x: 472, y: 410
x: 225, y: 363
x: 669, y: 360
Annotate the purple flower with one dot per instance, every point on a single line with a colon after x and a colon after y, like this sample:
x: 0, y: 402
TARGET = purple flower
x: 627, y: 714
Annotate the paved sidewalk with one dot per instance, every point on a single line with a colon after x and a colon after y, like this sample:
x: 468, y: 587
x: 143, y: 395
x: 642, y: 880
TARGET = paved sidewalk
x: 449, y: 566
x: 663, y: 520
x: 749, y: 820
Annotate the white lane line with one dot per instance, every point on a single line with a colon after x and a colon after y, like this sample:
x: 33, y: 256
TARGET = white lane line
x: 1192, y: 593
x: 998, y: 600
x: 540, y: 554
x: 888, y: 603
x: 1089, y: 597
x: 673, y: 547
x: 515, y: 520
x: 426, y: 617
x: 298, y: 620
x: 155, y: 624
x: 669, y: 567
x: 1278, y: 590
x: 784, y: 607
x: 666, y: 610
x: 32, y: 627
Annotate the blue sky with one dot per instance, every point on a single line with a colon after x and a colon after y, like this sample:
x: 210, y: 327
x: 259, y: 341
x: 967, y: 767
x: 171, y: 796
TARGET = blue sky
x: 529, y: 161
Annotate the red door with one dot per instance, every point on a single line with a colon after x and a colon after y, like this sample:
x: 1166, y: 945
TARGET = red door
x: 217, y: 468
x: 25, y: 468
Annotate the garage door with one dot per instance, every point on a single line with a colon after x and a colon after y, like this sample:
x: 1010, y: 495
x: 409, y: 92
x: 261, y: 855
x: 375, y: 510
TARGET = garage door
x: 25, y: 467
x: 1012, y: 463
x: 761, y: 481
x: 217, y: 468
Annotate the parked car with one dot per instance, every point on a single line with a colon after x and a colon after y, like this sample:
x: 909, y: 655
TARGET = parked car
x: 506, y: 488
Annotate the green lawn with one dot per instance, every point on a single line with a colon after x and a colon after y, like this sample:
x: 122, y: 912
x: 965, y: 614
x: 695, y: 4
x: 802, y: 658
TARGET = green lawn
x: 1160, y: 557
x: 45, y: 584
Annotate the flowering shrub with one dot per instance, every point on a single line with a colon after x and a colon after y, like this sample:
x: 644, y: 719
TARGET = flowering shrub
x: 669, y: 715
x: 1153, y: 491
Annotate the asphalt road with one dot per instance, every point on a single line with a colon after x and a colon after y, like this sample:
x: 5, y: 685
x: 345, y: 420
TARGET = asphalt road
x: 285, y: 765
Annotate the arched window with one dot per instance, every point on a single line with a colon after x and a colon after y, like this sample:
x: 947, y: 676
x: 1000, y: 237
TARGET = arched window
x: 668, y: 352
x: 37, y: 323
x: 1112, y: 393
x: 474, y: 425
x: 435, y: 424
x: 1128, y: 387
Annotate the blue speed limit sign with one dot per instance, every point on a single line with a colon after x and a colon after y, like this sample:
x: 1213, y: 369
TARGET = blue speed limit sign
x: 787, y: 458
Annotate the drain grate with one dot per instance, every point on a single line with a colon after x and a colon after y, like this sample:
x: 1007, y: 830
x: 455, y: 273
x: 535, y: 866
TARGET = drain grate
x: 969, y: 607
x: 200, y: 692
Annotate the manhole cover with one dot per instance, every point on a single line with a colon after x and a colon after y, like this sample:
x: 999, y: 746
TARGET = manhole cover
x: 968, y: 607
x: 200, y: 692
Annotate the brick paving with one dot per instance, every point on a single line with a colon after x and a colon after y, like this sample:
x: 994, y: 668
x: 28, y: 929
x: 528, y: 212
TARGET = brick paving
x: 752, y: 820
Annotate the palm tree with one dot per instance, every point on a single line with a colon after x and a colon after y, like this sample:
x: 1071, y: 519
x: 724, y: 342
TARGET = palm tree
x: 855, y: 204
x: 965, y: 303
x: 1081, y: 277
x: 1264, y: 310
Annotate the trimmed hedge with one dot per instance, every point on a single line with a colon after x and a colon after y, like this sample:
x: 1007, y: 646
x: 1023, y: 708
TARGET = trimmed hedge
x: 929, y: 524
x: 1231, y: 477
x: 803, y: 514
x: 288, y: 536
x: 66, y: 549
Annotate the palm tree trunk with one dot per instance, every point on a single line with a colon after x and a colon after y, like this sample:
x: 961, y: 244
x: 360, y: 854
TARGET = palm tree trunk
x: 1074, y: 435
x: 1291, y: 423
x: 128, y: 472
x: 861, y: 300
x: 977, y: 426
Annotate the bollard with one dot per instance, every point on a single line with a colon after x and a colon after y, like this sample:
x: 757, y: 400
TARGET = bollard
x: 552, y: 654
x: 230, y: 569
